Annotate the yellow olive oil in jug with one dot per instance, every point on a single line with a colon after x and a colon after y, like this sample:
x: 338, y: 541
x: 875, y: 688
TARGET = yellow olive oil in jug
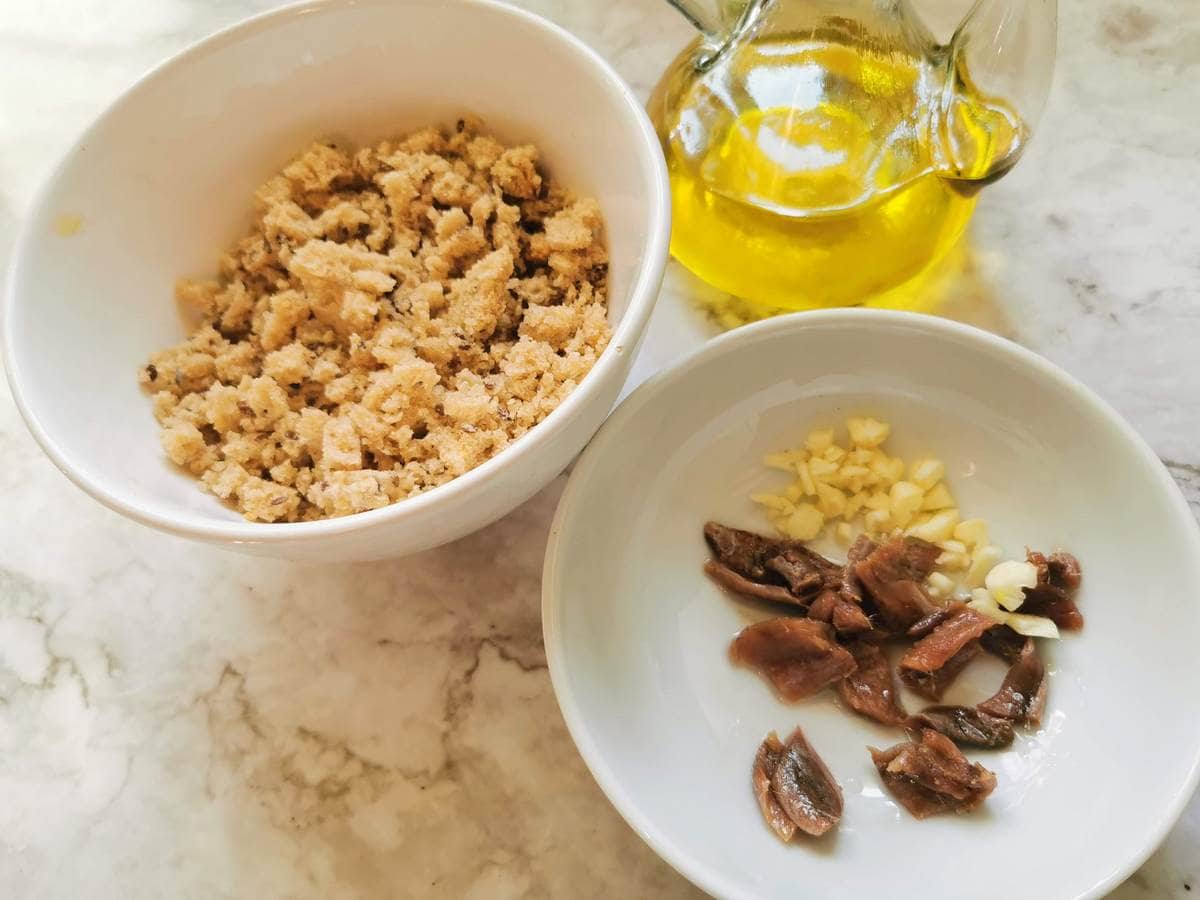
x: 811, y: 172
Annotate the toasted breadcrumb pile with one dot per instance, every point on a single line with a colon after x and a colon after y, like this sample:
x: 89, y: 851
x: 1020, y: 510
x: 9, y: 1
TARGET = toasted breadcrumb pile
x: 396, y: 316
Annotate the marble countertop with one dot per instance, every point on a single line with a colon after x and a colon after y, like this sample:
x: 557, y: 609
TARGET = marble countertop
x: 176, y: 721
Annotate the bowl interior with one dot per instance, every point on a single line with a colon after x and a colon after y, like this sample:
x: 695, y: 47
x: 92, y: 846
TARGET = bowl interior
x: 163, y: 183
x: 637, y: 636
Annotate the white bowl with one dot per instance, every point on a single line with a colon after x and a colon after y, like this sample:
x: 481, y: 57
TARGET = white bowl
x: 637, y: 636
x: 163, y: 182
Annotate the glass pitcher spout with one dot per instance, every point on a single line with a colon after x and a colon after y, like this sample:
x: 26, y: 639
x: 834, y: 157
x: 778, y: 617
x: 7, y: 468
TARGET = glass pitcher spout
x: 998, y: 70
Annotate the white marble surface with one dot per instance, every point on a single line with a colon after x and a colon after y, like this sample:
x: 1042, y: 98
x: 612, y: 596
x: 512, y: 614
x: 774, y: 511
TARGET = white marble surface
x: 176, y: 721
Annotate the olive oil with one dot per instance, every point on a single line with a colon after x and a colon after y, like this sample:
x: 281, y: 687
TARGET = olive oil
x: 815, y: 173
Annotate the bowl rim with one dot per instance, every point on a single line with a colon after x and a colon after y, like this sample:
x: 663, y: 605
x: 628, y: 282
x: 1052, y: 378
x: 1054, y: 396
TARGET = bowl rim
x: 563, y: 529
x: 627, y: 331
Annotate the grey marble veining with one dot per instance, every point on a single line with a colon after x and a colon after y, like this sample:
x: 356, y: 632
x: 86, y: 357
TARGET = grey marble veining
x: 178, y: 721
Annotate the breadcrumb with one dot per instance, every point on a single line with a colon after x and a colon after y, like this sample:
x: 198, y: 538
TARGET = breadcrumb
x: 396, y: 316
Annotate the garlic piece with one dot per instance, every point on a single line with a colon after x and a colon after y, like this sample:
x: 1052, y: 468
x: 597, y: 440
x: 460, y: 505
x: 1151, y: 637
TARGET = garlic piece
x: 1031, y: 626
x: 889, y: 469
x: 819, y: 441
x: 806, y: 482
x: 786, y: 461
x: 953, y: 562
x: 937, y: 498
x: 844, y: 534
x: 1007, y: 582
x: 821, y: 469
x: 906, y: 497
x: 805, y: 523
x: 773, y: 501
x: 867, y: 432
x: 939, y: 586
x: 926, y: 472
x: 830, y: 501
x: 982, y: 561
x: 877, y: 521
x: 981, y: 601
x: 857, y: 481
x: 879, y: 500
x: 938, y: 528
x: 972, y: 532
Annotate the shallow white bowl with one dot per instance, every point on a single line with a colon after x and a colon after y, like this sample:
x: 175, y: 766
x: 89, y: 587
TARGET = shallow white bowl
x: 637, y: 636
x: 163, y: 182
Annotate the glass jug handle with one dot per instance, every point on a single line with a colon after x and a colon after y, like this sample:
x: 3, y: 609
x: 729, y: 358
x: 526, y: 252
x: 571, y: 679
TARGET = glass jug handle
x: 1003, y: 53
x: 719, y: 21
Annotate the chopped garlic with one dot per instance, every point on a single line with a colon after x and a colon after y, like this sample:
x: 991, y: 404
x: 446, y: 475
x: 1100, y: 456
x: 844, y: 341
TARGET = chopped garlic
x: 830, y: 501
x: 954, y: 557
x: 906, y: 497
x: 785, y: 461
x: 939, y: 527
x: 927, y: 472
x: 1007, y: 582
x: 937, y: 498
x: 1032, y: 626
x: 805, y: 523
x: 953, y: 562
x: 866, y: 432
x: 981, y: 601
x: 772, y: 501
x: 877, y: 521
x: 854, y: 470
x: 834, y: 454
x: 819, y: 441
x: 939, y: 586
x: 821, y: 469
x: 889, y: 470
x: 972, y: 532
x: 879, y: 500
x: 852, y: 478
x: 806, y: 482
x: 860, y: 457
x: 858, y: 482
x: 982, y: 561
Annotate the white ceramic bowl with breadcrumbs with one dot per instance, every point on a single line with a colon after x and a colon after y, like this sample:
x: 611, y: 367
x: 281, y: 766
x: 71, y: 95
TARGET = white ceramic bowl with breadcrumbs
x: 637, y: 637
x: 164, y: 181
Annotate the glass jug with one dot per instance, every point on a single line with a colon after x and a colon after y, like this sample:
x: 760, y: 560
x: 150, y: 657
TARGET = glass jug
x: 822, y: 152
